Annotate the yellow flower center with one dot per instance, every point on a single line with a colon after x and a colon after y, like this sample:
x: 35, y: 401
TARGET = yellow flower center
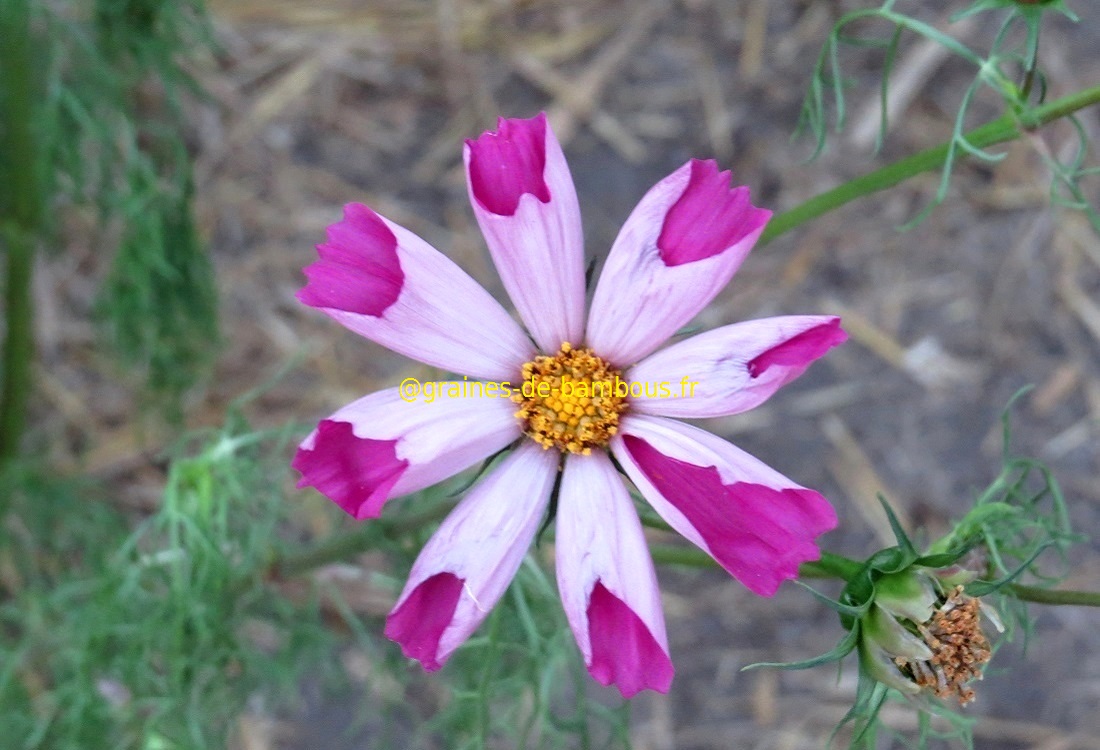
x: 571, y: 400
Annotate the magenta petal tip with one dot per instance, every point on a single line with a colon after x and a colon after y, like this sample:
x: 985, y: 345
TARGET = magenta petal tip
x: 358, y: 270
x: 417, y: 624
x: 708, y: 218
x: 509, y: 163
x: 799, y: 351
x: 760, y: 534
x: 624, y: 652
x: 355, y: 473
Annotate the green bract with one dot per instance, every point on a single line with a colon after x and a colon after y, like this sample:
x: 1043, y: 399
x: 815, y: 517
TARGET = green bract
x: 885, y: 639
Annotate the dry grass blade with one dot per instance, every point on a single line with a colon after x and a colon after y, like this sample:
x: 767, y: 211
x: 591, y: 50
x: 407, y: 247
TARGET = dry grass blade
x: 855, y: 472
x: 579, y: 100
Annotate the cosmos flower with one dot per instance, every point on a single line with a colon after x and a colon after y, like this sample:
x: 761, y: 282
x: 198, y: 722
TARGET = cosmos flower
x: 677, y: 250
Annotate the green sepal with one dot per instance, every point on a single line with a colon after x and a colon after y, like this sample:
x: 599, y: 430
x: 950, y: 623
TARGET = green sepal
x: 906, y: 594
x: 552, y: 508
x: 476, y: 476
x: 879, y: 666
x: 882, y: 627
x: 858, y: 592
x: 589, y: 274
x: 838, y: 652
x: 860, y: 589
x: 942, y: 559
x: 904, y: 544
x: 870, y: 697
x: 843, y: 608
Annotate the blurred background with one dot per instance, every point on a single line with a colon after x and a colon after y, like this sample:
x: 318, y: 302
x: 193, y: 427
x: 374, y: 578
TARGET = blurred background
x: 297, y: 109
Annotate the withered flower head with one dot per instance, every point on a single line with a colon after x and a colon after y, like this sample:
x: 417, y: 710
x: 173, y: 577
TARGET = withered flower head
x: 958, y: 649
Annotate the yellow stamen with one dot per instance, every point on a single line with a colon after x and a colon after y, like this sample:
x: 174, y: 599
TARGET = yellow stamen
x: 571, y: 400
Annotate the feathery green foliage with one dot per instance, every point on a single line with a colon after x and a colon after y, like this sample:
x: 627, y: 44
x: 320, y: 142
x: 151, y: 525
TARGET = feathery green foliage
x: 93, y: 118
x: 142, y: 639
x: 1010, y: 68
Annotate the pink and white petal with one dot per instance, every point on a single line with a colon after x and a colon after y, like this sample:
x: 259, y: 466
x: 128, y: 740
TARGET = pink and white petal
x: 419, y: 622
x: 676, y: 251
x: 381, y: 446
x: 734, y: 368
x: 524, y: 200
x: 606, y: 578
x: 388, y: 285
x: 358, y: 474
x: 470, y: 560
x: 755, y: 522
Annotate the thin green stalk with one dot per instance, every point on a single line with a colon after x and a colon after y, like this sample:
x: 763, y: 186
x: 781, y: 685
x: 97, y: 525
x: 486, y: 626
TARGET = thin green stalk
x: 337, y: 548
x: 1032, y: 60
x: 484, y: 719
x: 829, y: 566
x: 1008, y: 127
x: 1053, y: 596
x: 341, y: 547
x: 18, y: 344
x: 840, y: 567
x: 691, y: 557
x: 21, y: 224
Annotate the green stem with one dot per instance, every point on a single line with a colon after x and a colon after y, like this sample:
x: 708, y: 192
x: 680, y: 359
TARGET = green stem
x: 1052, y: 596
x: 341, y: 547
x: 1032, y: 62
x: 1008, y: 127
x: 843, y: 568
x: 20, y: 197
x: 829, y: 566
x: 691, y: 557
x: 485, y: 683
x: 334, y: 549
x: 18, y: 346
